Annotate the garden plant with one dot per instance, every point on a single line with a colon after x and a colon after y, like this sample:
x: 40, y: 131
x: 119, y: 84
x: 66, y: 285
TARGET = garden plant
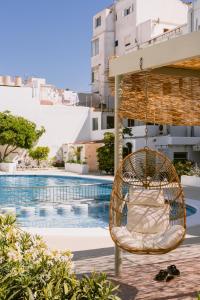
x: 39, y: 154
x: 30, y: 271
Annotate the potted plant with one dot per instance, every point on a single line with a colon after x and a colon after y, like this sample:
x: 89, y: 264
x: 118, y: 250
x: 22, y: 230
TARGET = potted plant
x: 192, y: 178
x: 75, y: 164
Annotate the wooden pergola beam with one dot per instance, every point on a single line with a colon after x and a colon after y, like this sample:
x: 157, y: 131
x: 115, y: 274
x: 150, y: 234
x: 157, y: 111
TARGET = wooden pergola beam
x: 179, y: 72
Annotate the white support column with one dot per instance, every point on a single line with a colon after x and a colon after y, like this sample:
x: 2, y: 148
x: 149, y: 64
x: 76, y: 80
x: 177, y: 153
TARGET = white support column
x: 118, y: 157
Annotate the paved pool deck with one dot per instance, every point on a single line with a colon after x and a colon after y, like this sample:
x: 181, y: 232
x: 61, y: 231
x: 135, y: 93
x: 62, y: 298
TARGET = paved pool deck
x: 94, y: 250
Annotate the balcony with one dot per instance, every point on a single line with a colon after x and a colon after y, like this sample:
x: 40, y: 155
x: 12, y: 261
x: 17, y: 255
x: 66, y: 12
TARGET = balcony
x: 174, y: 33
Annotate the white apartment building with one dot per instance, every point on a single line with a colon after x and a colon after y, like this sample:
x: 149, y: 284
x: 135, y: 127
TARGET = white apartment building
x: 123, y: 27
x: 130, y: 25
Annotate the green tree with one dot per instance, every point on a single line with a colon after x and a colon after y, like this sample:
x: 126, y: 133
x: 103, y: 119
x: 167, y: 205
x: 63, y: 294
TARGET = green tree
x: 105, y: 154
x: 17, y: 132
x: 39, y: 154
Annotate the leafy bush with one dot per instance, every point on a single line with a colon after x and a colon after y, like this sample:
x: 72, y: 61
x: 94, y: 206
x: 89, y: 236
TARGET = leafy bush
x: 29, y: 271
x: 39, y: 154
x: 97, y: 287
x: 183, y: 167
x: 195, y: 171
x: 105, y: 154
x: 80, y: 162
x: 58, y: 163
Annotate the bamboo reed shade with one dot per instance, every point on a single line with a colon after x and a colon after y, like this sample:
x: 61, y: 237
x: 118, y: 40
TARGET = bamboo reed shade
x: 171, y: 99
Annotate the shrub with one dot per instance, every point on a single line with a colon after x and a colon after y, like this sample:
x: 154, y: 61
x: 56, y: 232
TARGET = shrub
x: 29, y: 271
x: 195, y: 171
x: 97, y: 287
x: 183, y: 167
x: 58, y: 164
x: 39, y: 154
x: 105, y: 154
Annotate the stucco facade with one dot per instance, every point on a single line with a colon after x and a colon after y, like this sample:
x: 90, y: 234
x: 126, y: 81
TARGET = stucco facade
x: 125, y: 25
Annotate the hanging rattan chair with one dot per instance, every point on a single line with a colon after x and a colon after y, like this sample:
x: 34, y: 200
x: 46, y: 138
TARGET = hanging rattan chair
x: 147, y: 210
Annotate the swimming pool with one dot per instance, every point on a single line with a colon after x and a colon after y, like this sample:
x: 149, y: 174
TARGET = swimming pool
x: 57, y: 201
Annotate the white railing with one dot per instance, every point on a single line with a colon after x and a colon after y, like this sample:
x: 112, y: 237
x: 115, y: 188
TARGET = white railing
x: 178, y: 31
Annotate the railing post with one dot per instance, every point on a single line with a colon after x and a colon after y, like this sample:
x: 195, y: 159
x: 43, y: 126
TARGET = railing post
x: 118, y: 158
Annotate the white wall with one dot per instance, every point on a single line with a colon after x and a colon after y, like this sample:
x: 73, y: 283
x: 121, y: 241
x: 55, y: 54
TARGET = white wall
x: 172, y: 12
x: 125, y: 26
x: 19, y: 100
x: 63, y: 124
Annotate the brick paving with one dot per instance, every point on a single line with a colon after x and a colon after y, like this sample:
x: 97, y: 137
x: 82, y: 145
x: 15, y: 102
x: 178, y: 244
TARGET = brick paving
x: 136, y: 280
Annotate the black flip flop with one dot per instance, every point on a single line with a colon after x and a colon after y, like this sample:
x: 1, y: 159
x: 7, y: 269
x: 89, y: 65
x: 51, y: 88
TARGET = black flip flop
x: 161, y: 276
x: 169, y: 278
x: 172, y: 270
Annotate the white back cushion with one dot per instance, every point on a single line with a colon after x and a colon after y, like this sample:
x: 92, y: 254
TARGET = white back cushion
x: 146, y: 197
x: 144, y: 219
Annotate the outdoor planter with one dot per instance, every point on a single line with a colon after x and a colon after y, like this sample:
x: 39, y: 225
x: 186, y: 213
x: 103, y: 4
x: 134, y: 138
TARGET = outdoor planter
x: 76, y: 168
x: 190, y: 180
x: 8, y: 167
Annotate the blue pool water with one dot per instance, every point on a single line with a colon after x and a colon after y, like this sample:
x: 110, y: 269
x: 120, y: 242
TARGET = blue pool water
x: 57, y: 201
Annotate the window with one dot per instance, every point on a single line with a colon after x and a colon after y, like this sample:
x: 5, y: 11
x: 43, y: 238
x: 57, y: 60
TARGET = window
x: 178, y: 156
x: 94, y: 124
x: 127, y: 11
x: 116, y: 43
x: 95, y: 47
x: 196, y: 26
x: 129, y: 147
x: 110, y: 122
x: 131, y: 123
x: 93, y: 77
x: 98, y: 22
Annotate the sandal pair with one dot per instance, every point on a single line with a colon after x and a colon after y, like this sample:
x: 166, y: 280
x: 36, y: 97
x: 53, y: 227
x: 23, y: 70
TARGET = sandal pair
x: 168, y: 274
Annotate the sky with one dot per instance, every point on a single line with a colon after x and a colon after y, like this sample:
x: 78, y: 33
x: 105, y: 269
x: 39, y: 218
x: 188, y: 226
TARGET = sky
x: 48, y: 39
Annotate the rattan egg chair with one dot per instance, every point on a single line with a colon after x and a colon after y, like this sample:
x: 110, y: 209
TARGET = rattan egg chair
x: 147, y: 209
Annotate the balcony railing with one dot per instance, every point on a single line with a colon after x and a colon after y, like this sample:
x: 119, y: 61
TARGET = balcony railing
x: 180, y: 30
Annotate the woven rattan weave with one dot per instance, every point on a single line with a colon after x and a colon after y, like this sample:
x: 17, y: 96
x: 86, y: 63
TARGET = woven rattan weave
x: 173, y: 99
x: 145, y: 170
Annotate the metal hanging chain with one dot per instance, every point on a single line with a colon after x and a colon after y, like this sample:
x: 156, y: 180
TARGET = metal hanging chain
x: 146, y: 102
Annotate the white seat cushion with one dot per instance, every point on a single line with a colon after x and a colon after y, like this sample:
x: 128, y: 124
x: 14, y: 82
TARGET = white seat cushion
x: 144, y: 242
x: 144, y: 219
x: 146, y: 197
